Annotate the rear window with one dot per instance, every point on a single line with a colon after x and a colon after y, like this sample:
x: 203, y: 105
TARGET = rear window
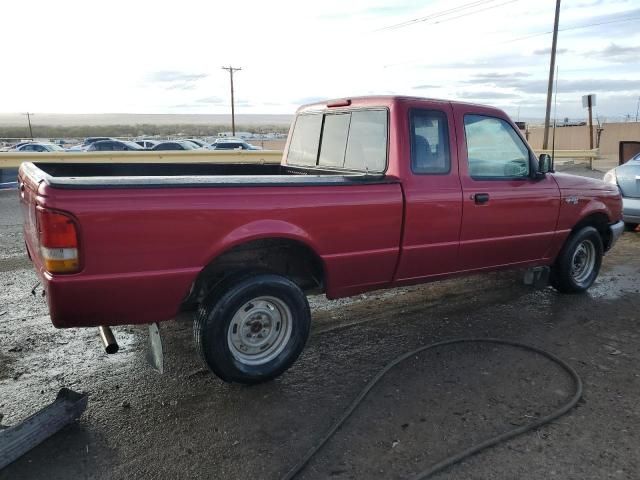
x: 305, y: 139
x: 355, y: 140
x: 334, y: 140
x: 367, y: 146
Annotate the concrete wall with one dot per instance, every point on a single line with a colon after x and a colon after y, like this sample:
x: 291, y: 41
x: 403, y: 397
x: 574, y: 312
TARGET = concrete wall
x: 577, y: 138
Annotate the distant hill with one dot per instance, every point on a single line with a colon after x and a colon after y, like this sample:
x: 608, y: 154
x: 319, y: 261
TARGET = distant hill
x: 99, y: 119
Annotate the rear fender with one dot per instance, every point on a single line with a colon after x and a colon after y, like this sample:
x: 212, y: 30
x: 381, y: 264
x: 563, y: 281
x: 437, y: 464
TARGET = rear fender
x: 258, y: 230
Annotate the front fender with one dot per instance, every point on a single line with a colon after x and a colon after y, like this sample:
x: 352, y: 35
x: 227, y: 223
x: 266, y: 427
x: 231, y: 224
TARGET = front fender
x: 576, y: 207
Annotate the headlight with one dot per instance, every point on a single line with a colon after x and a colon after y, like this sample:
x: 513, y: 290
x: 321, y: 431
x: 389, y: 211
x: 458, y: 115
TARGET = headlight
x: 610, y: 177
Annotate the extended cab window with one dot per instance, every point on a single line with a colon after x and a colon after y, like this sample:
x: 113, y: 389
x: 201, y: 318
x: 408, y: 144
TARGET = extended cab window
x: 355, y: 140
x: 429, y: 142
x: 494, y: 149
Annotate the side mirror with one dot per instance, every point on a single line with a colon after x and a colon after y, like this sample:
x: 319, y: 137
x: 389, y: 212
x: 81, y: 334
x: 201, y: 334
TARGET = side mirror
x: 545, y: 163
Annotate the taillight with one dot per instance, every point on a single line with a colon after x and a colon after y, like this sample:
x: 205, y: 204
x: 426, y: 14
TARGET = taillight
x: 58, y: 241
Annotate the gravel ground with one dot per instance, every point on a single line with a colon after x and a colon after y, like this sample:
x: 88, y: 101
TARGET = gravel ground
x: 188, y: 424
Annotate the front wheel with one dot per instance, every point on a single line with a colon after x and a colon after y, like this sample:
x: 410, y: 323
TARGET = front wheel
x: 579, y: 261
x: 253, y: 328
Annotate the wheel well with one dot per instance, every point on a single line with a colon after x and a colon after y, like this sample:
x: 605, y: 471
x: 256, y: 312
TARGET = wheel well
x: 289, y: 258
x: 599, y: 221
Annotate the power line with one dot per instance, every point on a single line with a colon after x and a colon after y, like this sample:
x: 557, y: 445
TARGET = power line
x: 578, y: 27
x: 572, y: 28
x: 435, y: 15
x: 475, y: 11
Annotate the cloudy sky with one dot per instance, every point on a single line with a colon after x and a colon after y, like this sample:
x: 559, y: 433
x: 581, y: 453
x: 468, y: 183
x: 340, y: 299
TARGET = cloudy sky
x: 166, y: 56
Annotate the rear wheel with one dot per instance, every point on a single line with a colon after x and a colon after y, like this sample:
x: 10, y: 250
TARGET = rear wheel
x: 579, y: 262
x: 252, y: 328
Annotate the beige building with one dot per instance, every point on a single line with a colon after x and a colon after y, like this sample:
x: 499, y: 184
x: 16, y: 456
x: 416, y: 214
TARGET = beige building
x: 577, y: 138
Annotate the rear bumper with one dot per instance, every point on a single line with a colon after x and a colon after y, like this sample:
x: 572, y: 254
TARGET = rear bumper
x: 127, y: 299
x: 631, y: 210
x: 615, y: 230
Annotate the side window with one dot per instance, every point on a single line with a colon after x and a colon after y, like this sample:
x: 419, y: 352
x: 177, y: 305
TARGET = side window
x: 494, y: 149
x: 305, y: 138
x: 334, y: 140
x: 429, y: 142
x: 367, y: 144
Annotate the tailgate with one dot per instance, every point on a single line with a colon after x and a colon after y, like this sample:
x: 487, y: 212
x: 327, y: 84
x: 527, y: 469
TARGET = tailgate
x: 628, y: 176
x: 28, y: 191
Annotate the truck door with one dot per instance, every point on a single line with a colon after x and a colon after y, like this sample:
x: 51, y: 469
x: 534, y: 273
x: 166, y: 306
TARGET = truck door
x: 432, y: 191
x: 508, y: 215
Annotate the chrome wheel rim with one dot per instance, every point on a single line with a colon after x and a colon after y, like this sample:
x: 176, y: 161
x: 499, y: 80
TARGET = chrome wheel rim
x: 583, y: 261
x: 259, y: 330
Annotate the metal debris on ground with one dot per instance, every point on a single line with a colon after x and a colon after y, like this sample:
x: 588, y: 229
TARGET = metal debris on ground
x: 17, y: 440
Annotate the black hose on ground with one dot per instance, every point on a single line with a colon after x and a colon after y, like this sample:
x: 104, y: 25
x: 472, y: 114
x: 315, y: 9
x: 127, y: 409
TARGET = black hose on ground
x: 458, y: 457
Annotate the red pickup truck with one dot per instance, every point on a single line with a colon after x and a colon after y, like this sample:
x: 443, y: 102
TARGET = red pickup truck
x: 372, y: 192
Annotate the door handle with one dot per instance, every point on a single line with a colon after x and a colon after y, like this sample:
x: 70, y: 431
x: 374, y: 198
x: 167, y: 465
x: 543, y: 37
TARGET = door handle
x: 481, y: 198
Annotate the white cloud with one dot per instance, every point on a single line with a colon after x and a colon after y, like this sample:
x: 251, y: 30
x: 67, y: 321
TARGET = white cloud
x: 166, y: 57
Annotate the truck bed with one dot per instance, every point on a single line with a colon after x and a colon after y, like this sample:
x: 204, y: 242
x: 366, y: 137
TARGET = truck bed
x: 148, y: 232
x: 89, y: 176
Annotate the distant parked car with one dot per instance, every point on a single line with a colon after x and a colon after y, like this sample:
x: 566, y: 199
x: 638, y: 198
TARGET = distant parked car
x: 89, y: 140
x: 176, y: 145
x: 113, y: 146
x: 233, y: 145
x: 76, y: 148
x: 39, y: 147
x: 147, y: 144
x: 18, y: 145
x: 627, y: 178
x: 198, y: 142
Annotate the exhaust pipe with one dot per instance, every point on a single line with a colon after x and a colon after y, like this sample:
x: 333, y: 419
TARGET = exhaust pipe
x: 108, y: 340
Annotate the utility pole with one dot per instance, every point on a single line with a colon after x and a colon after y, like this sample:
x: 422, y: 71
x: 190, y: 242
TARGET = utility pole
x: 231, y: 69
x: 637, y: 109
x: 545, y: 141
x: 29, y: 120
x: 590, y: 106
x: 589, y: 101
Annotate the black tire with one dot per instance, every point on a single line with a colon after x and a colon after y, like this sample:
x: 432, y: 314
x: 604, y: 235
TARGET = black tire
x: 631, y: 227
x: 565, y: 277
x: 268, y: 300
